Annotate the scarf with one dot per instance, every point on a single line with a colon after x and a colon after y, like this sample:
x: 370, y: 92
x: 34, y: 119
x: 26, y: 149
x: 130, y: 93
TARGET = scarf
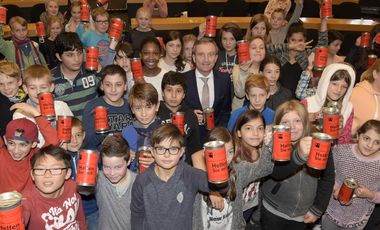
x: 25, y: 46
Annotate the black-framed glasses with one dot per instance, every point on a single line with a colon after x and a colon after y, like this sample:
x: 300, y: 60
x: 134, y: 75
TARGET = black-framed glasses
x: 162, y: 150
x: 53, y: 171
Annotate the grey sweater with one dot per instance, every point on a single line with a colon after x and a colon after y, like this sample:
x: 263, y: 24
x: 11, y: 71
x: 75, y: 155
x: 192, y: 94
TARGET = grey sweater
x: 245, y: 174
x: 114, y: 208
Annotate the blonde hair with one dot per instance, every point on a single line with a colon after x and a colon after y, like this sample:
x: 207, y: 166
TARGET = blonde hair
x: 99, y: 11
x: 35, y: 72
x: 189, y: 38
x: 10, y: 69
x: 54, y: 19
x: 19, y: 20
x: 49, y: 1
x: 143, y: 10
x: 258, y: 81
x: 368, y: 74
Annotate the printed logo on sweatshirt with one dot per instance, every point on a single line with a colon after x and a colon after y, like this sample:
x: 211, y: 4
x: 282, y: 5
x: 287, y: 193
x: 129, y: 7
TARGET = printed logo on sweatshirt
x: 180, y: 197
x: 119, y: 121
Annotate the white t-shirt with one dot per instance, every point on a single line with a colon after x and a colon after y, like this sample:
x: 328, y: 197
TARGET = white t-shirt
x: 163, y: 65
x: 214, y: 219
x: 156, y: 82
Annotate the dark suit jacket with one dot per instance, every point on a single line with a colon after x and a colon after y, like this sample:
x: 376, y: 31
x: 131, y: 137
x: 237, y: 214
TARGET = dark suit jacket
x: 222, y: 98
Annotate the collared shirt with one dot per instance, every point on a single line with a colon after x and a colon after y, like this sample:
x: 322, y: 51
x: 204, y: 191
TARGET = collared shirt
x: 210, y: 84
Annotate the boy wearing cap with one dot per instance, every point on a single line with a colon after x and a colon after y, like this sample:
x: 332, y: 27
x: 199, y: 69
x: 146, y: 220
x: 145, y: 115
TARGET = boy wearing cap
x: 20, y: 141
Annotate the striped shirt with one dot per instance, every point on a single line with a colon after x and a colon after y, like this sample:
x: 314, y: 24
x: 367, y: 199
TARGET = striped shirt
x: 78, y: 92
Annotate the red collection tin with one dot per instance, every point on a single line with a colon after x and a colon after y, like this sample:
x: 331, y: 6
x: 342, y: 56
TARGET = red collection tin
x: 161, y: 41
x: 319, y: 152
x: 143, y: 152
x: 87, y: 167
x: 100, y: 3
x: 320, y: 60
x: 209, y: 118
x: 178, y: 119
x: 331, y: 121
x: 371, y: 59
x: 46, y: 102
x: 377, y: 38
x: 243, y: 51
x: 92, y: 55
x: 216, y: 162
x: 82, y: 2
x: 365, y: 40
x: 40, y: 27
x: 64, y: 125
x: 347, y: 190
x: 3, y: 15
x: 281, y: 143
x: 326, y: 9
x: 101, y: 119
x: 116, y: 29
x: 211, y: 22
x: 11, y: 211
x: 85, y: 13
x: 136, y: 68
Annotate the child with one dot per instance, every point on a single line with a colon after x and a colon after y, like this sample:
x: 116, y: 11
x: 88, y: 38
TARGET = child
x: 241, y: 72
x: 21, y: 50
x: 173, y: 91
x: 37, y: 79
x: 293, y: 195
x: 172, y: 60
x: 50, y: 171
x: 114, y: 185
x: 335, y: 85
x: 271, y: 69
x: 257, y: 93
x: 150, y: 56
x: 98, y: 37
x: 143, y: 29
x: 74, y: 21
x: 51, y: 9
x: 242, y: 172
x: 361, y: 162
x: 113, y: 84
x: 258, y: 27
x: 279, y: 26
x: 54, y: 27
x: 187, y: 52
x: 143, y: 100
x: 229, y: 34
x: 272, y: 5
x: 163, y: 196
x: 20, y: 139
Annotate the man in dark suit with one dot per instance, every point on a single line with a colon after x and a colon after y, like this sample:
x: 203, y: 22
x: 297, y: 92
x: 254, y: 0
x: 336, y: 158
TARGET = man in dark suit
x: 207, y: 88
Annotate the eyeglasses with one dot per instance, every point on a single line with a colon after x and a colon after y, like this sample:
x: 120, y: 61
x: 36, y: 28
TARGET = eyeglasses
x: 53, y: 172
x: 162, y: 150
x: 103, y: 22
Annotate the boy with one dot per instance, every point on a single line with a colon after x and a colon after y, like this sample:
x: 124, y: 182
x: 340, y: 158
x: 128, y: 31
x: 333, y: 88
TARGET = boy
x: 113, y: 84
x: 21, y: 49
x: 173, y: 92
x: 20, y: 141
x: 98, y: 37
x: 163, y: 196
x: 51, y: 9
x: 73, y: 84
x: 143, y: 100
x: 53, y: 202
x: 114, y: 185
x: 37, y: 79
x: 257, y: 93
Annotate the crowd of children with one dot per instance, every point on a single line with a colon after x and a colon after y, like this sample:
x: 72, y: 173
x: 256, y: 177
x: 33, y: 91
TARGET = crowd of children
x: 151, y: 171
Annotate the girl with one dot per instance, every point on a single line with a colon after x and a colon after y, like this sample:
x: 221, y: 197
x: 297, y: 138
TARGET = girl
x: 74, y: 20
x: 172, y: 60
x: 365, y: 97
x: 241, y: 72
x: 271, y: 68
x: 150, y: 56
x: 225, y: 212
x: 361, y: 162
x: 55, y: 26
x: 51, y: 9
x: 229, y: 34
x: 293, y: 195
x: 258, y: 27
x: 335, y: 85
x: 187, y: 51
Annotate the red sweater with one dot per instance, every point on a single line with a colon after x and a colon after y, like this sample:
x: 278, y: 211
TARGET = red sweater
x: 64, y: 212
x: 15, y: 175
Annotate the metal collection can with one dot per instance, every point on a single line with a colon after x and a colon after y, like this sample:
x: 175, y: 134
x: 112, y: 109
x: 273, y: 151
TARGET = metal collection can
x: 41, y: 32
x: 334, y: 104
x: 92, y: 55
x: 136, y: 68
x: 216, y: 162
x: 347, y: 190
x: 320, y: 60
x: 3, y: 15
x: 208, y: 114
x: 331, y: 121
x: 11, y: 211
x: 116, y: 29
x: 371, y: 59
x: 46, y: 102
x: 161, y: 41
x: 178, y: 119
x: 377, y: 38
x: 101, y: 119
x: 365, y: 39
x: 326, y: 9
x: 64, y: 125
x: 243, y: 51
x: 143, y: 152
x: 83, y: 2
x: 87, y: 167
x: 85, y: 13
x: 211, y: 22
x: 100, y: 3
x: 281, y: 143
x: 319, y: 152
